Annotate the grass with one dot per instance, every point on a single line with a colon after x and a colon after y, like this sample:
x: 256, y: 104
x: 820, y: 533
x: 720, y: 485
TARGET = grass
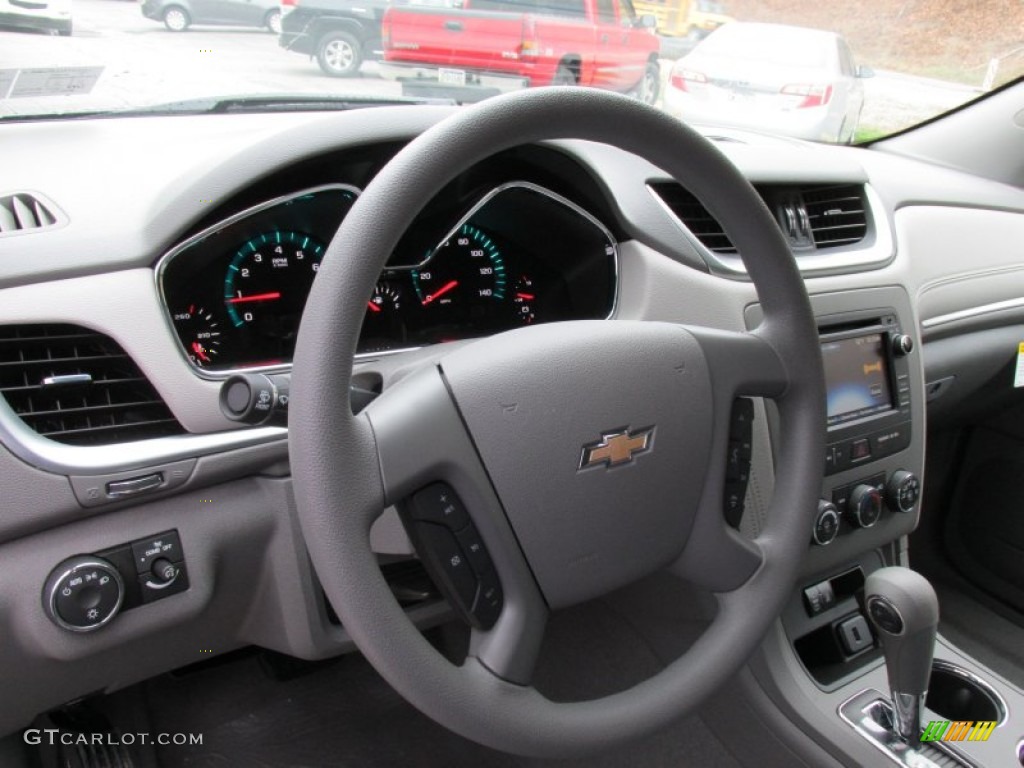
x: 868, y: 133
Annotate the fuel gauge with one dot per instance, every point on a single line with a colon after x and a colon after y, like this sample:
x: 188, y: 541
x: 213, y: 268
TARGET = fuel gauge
x: 199, y: 333
x: 383, y: 327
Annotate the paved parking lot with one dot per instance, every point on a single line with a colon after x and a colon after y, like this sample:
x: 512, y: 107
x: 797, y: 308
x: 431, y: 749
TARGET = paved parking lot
x: 144, y: 63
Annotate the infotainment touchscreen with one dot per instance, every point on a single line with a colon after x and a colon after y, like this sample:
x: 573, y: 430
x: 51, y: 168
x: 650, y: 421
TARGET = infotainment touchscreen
x: 856, y: 377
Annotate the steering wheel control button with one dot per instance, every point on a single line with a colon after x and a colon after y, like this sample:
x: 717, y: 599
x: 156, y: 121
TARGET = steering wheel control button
x: 885, y: 615
x: 438, y: 503
x: 826, y: 524
x: 445, y: 558
x: 854, y: 635
x: 489, y: 600
x: 737, y: 465
x: 473, y: 546
x: 865, y: 505
x: 902, y: 491
x: 741, y: 421
x: 83, y: 593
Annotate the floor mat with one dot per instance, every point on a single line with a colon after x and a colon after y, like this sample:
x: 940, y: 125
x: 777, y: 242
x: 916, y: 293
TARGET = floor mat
x: 343, y: 714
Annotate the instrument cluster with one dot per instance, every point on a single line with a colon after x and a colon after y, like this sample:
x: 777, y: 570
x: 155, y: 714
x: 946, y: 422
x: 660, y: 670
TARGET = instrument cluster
x: 512, y: 255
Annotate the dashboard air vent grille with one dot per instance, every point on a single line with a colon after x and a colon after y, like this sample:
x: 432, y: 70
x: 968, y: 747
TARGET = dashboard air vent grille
x: 22, y: 211
x: 77, y: 386
x: 837, y: 214
x: 689, y: 210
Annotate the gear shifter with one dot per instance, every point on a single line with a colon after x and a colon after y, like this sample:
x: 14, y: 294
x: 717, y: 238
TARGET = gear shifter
x: 904, y: 610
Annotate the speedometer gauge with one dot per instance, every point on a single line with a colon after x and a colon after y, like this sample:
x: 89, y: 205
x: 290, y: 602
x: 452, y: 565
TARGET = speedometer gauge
x: 273, y: 269
x: 465, y: 269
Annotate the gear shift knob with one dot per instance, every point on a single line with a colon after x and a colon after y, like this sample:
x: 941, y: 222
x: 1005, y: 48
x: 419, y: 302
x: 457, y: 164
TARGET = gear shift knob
x: 904, y: 610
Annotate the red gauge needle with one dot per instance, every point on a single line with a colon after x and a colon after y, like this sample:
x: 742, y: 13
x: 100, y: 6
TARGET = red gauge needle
x: 255, y: 297
x: 200, y: 352
x: 373, y: 307
x: 440, y: 292
x: 526, y: 296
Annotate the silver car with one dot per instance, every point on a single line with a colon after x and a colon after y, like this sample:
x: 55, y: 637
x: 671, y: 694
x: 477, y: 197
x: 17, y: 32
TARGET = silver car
x: 771, y: 77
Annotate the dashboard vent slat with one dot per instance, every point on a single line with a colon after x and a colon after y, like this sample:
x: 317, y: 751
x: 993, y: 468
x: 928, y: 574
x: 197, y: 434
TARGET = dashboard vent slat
x: 23, y: 211
x: 78, y: 386
x: 692, y: 213
x: 838, y: 215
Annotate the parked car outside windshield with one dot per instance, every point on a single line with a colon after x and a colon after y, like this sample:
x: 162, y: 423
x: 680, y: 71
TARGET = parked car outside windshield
x: 782, y: 79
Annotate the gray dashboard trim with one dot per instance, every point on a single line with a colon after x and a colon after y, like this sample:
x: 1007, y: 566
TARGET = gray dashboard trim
x: 63, y: 459
x: 973, y: 312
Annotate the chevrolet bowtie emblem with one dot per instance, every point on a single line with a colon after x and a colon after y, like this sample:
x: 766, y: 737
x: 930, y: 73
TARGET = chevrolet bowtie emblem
x: 617, y: 448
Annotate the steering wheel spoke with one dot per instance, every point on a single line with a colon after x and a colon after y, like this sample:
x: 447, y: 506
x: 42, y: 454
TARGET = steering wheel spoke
x: 741, y: 364
x: 431, y: 471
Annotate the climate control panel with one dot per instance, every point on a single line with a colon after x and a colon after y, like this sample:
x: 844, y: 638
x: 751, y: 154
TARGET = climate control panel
x: 861, y: 504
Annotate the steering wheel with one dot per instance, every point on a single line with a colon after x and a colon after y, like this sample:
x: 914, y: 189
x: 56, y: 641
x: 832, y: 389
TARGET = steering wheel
x: 505, y: 423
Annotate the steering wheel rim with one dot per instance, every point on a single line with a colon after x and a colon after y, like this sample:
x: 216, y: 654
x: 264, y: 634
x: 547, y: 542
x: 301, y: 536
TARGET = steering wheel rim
x: 346, y: 472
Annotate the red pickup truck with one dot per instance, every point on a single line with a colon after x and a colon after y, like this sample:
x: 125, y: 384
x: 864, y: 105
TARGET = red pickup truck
x: 485, y: 46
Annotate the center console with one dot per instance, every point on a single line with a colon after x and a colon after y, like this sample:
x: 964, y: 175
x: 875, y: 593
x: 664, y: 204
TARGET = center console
x: 822, y: 671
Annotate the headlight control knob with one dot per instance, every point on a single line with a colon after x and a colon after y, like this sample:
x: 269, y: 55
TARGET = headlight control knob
x: 83, y: 593
x: 865, y: 506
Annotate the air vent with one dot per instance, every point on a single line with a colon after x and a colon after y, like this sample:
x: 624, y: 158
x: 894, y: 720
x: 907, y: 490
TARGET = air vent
x: 25, y: 211
x: 689, y: 210
x: 76, y: 386
x: 837, y: 215
x: 811, y: 217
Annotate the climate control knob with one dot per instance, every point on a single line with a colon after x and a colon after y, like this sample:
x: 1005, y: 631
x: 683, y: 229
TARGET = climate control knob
x: 826, y: 523
x: 902, y: 491
x: 83, y: 593
x: 865, y: 506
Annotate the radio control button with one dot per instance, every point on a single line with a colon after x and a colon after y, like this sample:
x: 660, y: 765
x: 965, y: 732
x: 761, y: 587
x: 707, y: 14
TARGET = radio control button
x: 902, y: 345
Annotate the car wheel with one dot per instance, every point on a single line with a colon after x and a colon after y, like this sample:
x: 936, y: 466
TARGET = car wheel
x: 176, y: 19
x: 339, y: 54
x: 564, y: 76
x: 273, y: 22
x: 647, y: 89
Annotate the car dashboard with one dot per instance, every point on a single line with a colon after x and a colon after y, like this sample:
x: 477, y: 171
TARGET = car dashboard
x: 193, y: 264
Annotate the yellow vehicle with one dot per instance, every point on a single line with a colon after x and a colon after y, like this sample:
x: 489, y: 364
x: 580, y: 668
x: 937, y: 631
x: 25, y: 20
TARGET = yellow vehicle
x: 685, y: 18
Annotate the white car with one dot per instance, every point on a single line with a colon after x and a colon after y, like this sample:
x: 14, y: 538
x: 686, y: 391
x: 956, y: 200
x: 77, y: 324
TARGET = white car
x: 771, y: 77
x: 53, y: 15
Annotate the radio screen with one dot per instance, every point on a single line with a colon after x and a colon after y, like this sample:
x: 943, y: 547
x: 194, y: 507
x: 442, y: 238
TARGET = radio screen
x: 856, y: 378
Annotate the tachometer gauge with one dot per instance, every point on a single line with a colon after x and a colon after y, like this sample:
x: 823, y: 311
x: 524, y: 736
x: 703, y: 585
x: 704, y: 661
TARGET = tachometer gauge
x: 200, y: 332
x: 467, y: 268
x: 271, y: 270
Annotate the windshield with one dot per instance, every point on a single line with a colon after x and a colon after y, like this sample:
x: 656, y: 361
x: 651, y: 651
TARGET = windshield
x: 788, y: 67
